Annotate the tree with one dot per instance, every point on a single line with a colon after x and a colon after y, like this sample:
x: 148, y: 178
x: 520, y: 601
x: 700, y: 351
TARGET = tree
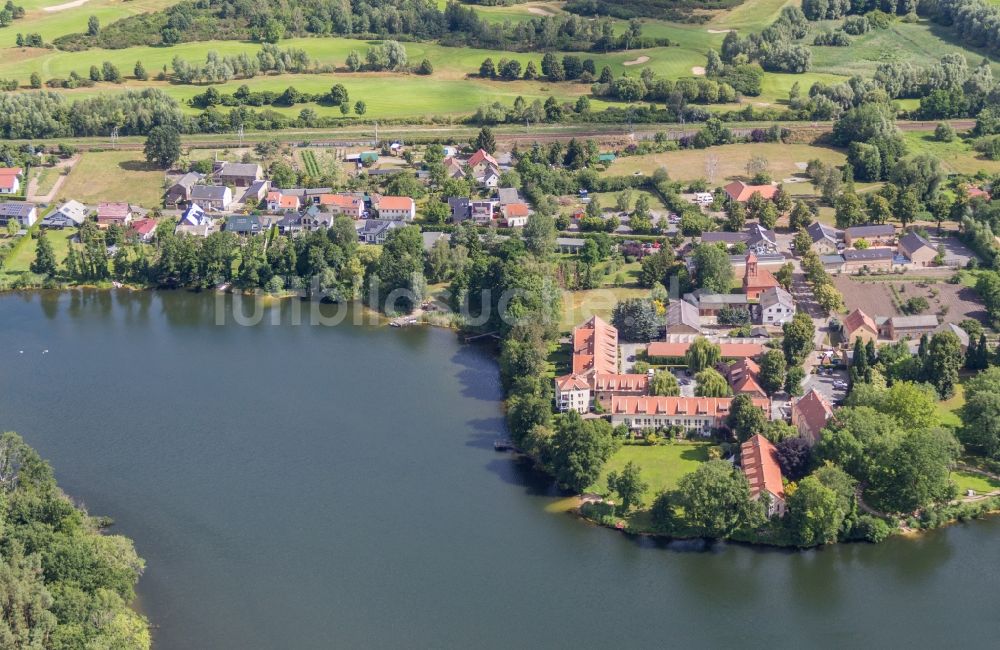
x: 829, y: 298
x: 785, y: 275
x: 709, y: 383
x: 793, y: 380
x: 139, y: 71
x: 45, y: 258
x: 425, y: 67
x: 794, y: 456
x: 35, y: 80
x: 628, y: 485
x: 815, y: 515
x: 981, y: 415
x: 360, y: 107
x: 915, y: 471
x: 579, y: 450
x: 702, y: 354
x: 635, y: 319
x: 486, y: 140
x: 338, y: 95
x: 745, y: 418
x: 163, y: 146
x: 944, y: 359
x: 715, y: 499
x: 798, y: 338
x: 663, y: 382
x: 93, y: 26
x: 800, y: 216
x: 713, y: 271
x: 772, y: 371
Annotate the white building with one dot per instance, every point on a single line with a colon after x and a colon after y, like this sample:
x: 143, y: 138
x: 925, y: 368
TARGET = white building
x: 572, y: 393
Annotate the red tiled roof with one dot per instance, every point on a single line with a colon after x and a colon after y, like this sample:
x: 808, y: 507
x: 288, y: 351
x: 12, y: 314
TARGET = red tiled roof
x: 974, y: 192
x: 288, y: 201
x: 669, y: 405
x: 143, y: 226
x: 615, y: 382
x: 7, y: 182
x: 729, y: 350
x: 482, y: 156
x: 595, y: 348
x: 113, y: 210
x: 813, y: 411
x: 740, y: 191
x: 339, y: 200
x: 760, y: 465
x: 10, y: 171
x: 857, y: 319
x: 572, y: 382
x: 274, y: 195
x: 395, y: 203
x: 515, y: 210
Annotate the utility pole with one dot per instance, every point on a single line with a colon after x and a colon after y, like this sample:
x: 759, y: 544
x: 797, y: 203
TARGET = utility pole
x: 114, y: 138
x: 239, y: 133
x: 376, y: 135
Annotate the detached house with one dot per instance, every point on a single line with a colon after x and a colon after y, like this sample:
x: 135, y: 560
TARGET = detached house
x: 909, y: 327
x: 824, y: 238
x: 740, y: 191
x: 343, y: 204
x: 212, y: 197
x: 374, y: 231
x: 481, y: 212
x: 480, y: 162
x: 810, y: 415
x: 460, y: 208
x: 239, y: 174
x: 743, y: 377
x: 243, y: 225
x: 70, y: 214
x: 759, y: 460
x: 916, y: 249
x: 10, y: 180
x: 859, y: 325
x: 776, y: 306
x: 113, y: 213
x: 180, y: 191
x: 20, y: 211
x: 397, y: 208
x: 279, y: 202
x: 515, y: 214
x: 143, y: 229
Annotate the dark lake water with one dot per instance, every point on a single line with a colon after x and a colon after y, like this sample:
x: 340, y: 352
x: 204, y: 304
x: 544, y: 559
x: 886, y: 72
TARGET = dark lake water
x: 319, y: 487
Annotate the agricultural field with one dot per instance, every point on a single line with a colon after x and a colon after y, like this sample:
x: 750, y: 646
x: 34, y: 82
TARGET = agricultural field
x: 952, y: 303
x: 114, y: 176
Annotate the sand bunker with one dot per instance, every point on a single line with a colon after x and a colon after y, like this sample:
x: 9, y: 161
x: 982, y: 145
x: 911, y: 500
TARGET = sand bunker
x: 639, y: 61
x: 719, y: 31
x: 65, y: 5
x: 698, y: 70
x: 538, y: 11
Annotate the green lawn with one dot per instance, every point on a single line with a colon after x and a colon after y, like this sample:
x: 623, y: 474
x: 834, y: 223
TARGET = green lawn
x: 114, y: 176
x: 578, y: 306
x: 661, y: 466
x: 51, y: 24
x: 957, y: 156
x: 948, y: 409
x: 973, y: 481
x: 19, y: 262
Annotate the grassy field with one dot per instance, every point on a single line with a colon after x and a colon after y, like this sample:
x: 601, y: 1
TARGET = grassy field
x: 949, y: 408
x: 19, y: 262
x: 973, y: 481
x: 957, y: 157
x: 114, y: 176
x: 687, y: 165
x: 578, y: 306
x: 51, y: 24
x: 661, y: 466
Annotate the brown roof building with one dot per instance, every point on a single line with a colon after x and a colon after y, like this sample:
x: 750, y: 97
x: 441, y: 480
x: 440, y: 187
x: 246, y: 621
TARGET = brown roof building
x: 759, y: 460
x: 756, y: 280
x: 740, y: 191
x: 810, y: 415
x: 694, y: 414
x: 595, y: 348
x: 857, y: 325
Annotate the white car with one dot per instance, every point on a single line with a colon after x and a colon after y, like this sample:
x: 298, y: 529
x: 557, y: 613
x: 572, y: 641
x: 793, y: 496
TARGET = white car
x: 840, y: 384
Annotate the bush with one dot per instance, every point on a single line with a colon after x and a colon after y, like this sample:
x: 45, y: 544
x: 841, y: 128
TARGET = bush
x: 870, y: 529
x: 944, y: 132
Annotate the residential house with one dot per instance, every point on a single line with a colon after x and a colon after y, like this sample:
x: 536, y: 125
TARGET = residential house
x: 607, y: 386
x: 740, y: 191
x: 676, y: 350
x: 143, y: 229
x: 710, y: 304
x: 868, y: 259
x: 278, y: 201
x: 810, y: 413
x: 113, y: 213
x: 70, y: 214
x: 508, y: 195
x: 759, y: 460
x: 453, y: 168
x: 481, y: 212
x: 460, y: 207
x: 374, y: 231
x: 761, y: 240
x: 683, y: 318
x: 776, y: 307
x: 875, y: 234
x: 909, y: 327
x: 10, y: 180
x: 832, y: 263
x: 399, y: 208
x: 515, y: 214
x: 180, y: 191
x: 21, y: 211
x: 824, y: 238
x: 728, y: 238
x: 291, y: 223
x: 974, y: 192
x: 212, y: 197
x: 595, y: 348
x: 744, y: 378
x: 239, y: 174
x: 756, y: 280
x: 480, y: 162
x: 916, y: 249
x: 256, y: 193
x: 350, y: 205
x: 700, y: 415
x: 489, y: 179
x: 315, y: 219
x: 243, y: 225
x: 572, y: 393
x: 194, y: 216
x: 859, y: 325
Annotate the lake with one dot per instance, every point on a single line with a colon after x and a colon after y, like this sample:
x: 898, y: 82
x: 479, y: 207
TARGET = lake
x: 295, y: 486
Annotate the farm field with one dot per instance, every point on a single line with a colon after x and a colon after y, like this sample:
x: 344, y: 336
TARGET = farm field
x: 662, y: 466
x: 689, y: 164
x: 876, y: 298
x: 114, y: 176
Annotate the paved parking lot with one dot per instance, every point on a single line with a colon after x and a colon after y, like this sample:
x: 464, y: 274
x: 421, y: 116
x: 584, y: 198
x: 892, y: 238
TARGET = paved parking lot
x: 955, y: 252
x: 823, y: 383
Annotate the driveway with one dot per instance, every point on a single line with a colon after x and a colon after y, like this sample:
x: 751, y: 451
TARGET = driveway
x: 824, y: 384
x: 955, y: 252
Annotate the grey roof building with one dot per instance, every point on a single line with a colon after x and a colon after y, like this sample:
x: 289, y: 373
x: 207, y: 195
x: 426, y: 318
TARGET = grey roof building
x: 683, y: 318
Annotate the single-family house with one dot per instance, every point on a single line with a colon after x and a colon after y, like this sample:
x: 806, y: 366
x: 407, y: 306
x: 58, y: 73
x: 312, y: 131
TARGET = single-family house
x: 109, y: 213
x: 489, y: 179
x: 757, y: 280
x: 683, y: 318
x: 194, y: 216
x: 20, y: 211
x: 515, y: 214
x: 399, y: 208
x: 740, y: 191
x: 859, y: 325
x: 278, y: 201
x: 909, y: 327
x: 481, y: 212
x: 480, y: 162
x: 761, y: 240
x: 460, y: 208
x: 508, y: 195
x: 744, y: 378
x: 239, y: 174
x: 291, y: 223
x: 374, y: 231
x: 824, y: 238
x: 180, y: 191
x: 572, y: 393
x: 875, y: 234
x: 776, y: 306
x: 10, y: 180
x: 607, y: 386
x: 453, y: 168
x: 868, y: 259
x: 143, y: 229
x: 759, y: 461
x: 243, y: 225
x: 916, y: 249
x: 212, y: 197
x: 700, y: 415
x: 256, y: 193
x: 350, y: 205
x: 315, y: 219
x: 810, y: 413
x: 70, y: 214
